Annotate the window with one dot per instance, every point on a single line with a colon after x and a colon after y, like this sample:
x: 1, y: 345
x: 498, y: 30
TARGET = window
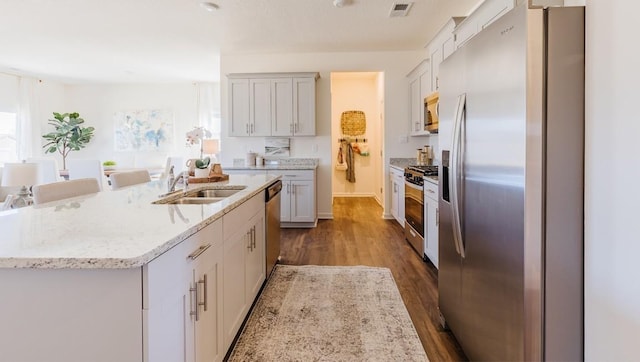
x: 8, y: 141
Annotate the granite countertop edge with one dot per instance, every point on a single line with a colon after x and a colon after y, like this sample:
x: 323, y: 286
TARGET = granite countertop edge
x: 152, y: 252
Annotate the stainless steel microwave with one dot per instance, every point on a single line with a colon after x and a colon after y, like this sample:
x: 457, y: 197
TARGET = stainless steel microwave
x: 431, y: 112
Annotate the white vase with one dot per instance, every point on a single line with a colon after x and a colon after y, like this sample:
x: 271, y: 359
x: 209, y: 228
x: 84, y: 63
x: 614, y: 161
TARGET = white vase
x: 201, y: 172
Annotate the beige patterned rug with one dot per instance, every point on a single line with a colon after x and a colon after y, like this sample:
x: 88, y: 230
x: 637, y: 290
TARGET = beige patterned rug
x: 321, y: 313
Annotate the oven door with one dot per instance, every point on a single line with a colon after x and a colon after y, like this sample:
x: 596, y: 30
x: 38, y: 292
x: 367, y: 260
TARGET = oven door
x: 413, y: 207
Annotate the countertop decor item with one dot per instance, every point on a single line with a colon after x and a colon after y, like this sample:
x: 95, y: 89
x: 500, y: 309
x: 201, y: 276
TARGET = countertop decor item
x: 353, y: 123
x: 23, y: 175
x: 69, y: 135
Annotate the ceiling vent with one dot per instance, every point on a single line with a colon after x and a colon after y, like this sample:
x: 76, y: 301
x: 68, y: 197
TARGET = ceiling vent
x: 400, y: 9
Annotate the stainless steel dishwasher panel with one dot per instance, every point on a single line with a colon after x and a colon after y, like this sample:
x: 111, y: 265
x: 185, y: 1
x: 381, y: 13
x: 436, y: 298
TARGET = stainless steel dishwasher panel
x: 272, y: 208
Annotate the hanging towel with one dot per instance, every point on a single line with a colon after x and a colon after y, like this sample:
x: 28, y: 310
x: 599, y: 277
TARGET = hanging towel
x: 341, y: 165
x: 351, y: 172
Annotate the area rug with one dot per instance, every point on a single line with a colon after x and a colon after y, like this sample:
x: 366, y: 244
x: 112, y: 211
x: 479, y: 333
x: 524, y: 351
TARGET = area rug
x: 321, y: 313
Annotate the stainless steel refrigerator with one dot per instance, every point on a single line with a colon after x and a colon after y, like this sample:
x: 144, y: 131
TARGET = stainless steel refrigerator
x: 511, y: 188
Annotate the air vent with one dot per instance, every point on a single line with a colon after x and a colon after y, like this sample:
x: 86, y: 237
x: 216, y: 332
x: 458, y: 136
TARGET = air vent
x: 400, y: 9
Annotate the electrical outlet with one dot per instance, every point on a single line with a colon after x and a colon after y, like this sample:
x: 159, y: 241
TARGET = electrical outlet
x: 314, y: 148
x: 404, y: 139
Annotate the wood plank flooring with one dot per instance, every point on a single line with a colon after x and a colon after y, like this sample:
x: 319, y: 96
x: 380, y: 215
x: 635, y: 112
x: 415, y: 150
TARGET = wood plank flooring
x: 359, y: 236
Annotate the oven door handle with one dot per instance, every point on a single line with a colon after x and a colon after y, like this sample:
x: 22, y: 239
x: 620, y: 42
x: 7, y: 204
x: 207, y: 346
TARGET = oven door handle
x: 417, y: 187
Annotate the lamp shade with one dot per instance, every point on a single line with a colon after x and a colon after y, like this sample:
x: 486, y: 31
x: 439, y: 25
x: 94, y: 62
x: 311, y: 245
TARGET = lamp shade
x: 210, y: 146
x: 20, y: 174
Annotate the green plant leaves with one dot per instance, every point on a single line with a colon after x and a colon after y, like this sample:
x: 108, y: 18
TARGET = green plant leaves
x: 69, y: 135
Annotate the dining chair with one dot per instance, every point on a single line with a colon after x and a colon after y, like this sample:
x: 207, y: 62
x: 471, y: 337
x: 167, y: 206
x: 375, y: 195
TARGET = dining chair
x: 79, y: 168
x: 48, y: 171
x: 64, y: 190
x: 122, y: 179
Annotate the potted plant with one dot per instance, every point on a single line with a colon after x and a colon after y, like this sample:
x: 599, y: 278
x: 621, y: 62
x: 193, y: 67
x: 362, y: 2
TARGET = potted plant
x: 109, y: 165
x: 195, y: 136
x: 69, y: 135
x: 202, y: 167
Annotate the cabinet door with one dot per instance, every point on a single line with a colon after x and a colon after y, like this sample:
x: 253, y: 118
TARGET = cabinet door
x: 208, y: 280
x: 260, y: 107
x: 302, y: 201
x: 169, y: 328
x: 436, y: 59
x: 255, y: 257
x: 238, y: 107
x: 304, y: 106
x: 285, y: 202
x: 431, y: 235
x: 394, y: 197
x: 416, y: 105
x: 282, y: 107
x: 400, y: 181
x: 234, y: 294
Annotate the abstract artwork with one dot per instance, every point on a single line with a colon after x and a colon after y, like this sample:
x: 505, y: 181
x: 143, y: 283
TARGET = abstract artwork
x: 144, y: 130
x: 276, y: 147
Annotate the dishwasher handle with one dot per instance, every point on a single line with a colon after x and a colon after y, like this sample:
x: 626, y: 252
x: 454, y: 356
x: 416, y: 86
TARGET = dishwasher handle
x: 273, y: 190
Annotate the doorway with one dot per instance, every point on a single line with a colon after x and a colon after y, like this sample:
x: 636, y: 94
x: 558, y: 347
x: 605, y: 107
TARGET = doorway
x: 358, y: 91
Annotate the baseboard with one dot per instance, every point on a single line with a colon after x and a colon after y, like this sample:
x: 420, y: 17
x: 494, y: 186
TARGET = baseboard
x: 325, y: 216
x: 388, y: 217
x: 353, y: 195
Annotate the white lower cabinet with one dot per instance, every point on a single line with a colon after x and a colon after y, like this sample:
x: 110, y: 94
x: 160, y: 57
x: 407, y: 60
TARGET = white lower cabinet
x: 244, y: 258
x: 432, y: 219
x: 182, y: 304
x: 397, y: 195
x: 297, y: 198
x: 185, y: 305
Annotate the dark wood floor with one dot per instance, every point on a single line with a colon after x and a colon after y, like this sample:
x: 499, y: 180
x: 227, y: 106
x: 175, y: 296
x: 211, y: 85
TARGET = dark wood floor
x: 359, y: 236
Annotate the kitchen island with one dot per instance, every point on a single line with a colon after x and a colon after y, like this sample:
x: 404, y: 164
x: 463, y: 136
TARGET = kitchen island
x: 113, y: 277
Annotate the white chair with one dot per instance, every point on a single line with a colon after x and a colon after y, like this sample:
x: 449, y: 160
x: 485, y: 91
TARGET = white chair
x: 64, y: 190
x: 48, y: 171
x: 122, y: 179
x: 86, y: 169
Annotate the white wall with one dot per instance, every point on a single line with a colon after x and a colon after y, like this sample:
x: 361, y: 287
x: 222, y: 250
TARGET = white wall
x: 612, y: 229
x: 354, y: 91
x: 395, y: 66
x: 98, y: 103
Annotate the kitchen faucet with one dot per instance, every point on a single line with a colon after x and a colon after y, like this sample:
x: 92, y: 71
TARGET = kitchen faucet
x: 172, y: 182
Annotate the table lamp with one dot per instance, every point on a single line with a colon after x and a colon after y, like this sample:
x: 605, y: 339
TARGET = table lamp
x: 211, y: 147
x: 20, y: 174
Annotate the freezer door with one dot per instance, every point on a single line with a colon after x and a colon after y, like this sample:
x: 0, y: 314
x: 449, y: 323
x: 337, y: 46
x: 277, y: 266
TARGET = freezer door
x: 488, y: 318
x: 449, y: 259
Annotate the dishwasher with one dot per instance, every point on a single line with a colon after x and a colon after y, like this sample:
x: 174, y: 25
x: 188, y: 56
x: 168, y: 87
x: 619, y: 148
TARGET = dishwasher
x: 272, y: 209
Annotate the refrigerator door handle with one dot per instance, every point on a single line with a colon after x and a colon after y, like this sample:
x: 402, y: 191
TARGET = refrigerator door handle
x: 457, y: 170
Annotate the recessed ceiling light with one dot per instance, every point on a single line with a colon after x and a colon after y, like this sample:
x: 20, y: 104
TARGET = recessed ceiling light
x: 209, y: 6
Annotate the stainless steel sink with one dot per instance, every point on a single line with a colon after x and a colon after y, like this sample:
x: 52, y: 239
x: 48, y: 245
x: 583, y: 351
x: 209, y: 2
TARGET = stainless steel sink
x: 213, y: 193
x: 201, y: 196
x: 196, y: 200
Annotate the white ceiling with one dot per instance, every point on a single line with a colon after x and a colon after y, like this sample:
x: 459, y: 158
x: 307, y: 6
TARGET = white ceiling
x: 79, y: 41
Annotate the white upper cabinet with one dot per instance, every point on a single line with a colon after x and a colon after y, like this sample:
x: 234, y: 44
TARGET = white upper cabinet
x: 485, y: 14
x: 272, y: 104
x: 304, y: 106
x: 282, y: 107
x: 439, y: 48
x: 239, y: 107
x: 419, y: 87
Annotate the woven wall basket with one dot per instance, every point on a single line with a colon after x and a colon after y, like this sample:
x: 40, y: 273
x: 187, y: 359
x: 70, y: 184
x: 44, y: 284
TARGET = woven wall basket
x: 353, y: 123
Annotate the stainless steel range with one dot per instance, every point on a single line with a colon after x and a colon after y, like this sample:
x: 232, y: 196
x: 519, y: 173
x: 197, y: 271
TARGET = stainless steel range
x: 414, y: 205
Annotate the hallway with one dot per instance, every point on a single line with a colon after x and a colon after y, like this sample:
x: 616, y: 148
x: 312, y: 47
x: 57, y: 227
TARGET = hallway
x: 359, y: 236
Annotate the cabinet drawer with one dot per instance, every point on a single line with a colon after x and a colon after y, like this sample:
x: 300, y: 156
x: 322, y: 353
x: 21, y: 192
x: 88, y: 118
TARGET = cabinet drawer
x: 430, y: 190
x: 293, y: 174
x: 237, y: 218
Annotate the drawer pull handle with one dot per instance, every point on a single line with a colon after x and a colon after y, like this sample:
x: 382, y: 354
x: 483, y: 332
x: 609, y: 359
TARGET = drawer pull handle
x: 198, y: 252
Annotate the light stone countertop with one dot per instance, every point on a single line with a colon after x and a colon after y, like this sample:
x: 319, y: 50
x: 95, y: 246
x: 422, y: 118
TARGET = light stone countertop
x: 111, y: 229
x: 282, y: 164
